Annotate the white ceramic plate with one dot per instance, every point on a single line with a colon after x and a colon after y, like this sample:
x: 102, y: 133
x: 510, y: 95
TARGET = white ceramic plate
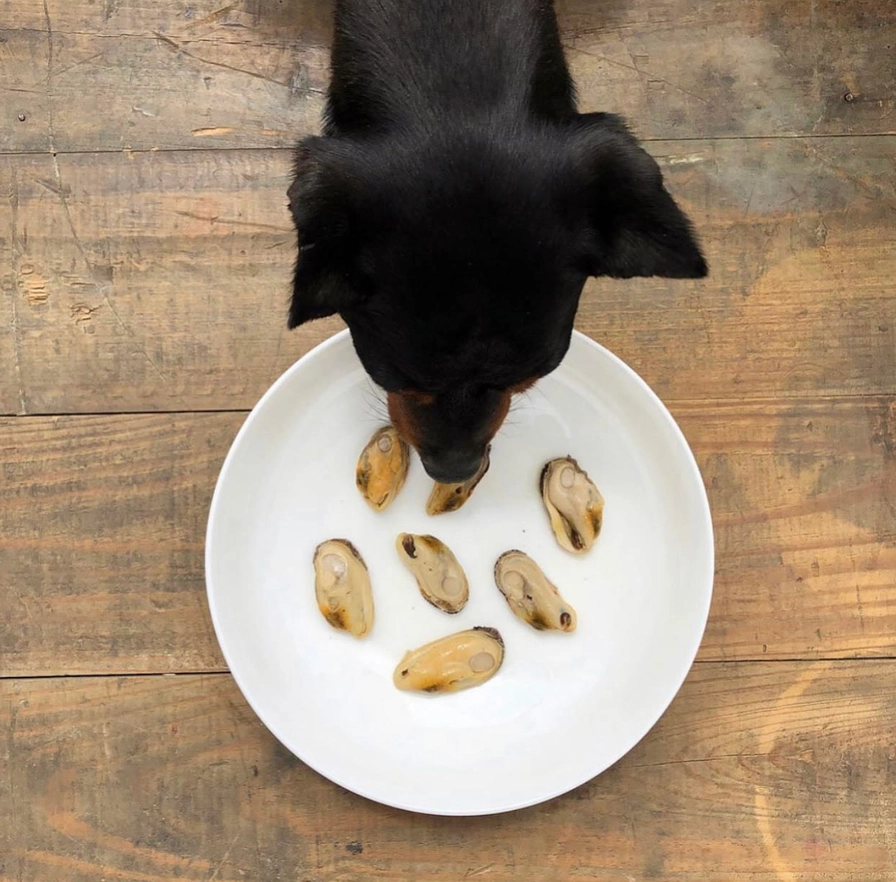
x: 564, y: 707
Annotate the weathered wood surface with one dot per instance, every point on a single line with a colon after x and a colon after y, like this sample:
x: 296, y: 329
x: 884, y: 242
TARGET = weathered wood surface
x: 767, y: 772
x: 129, y: 275
x: 757, y: 69
x: 145, y: 267
x: 160, y: 281
x: 103, y: 520
x: 803, y: 497
x: 102, y: 531
x: 126, y: 74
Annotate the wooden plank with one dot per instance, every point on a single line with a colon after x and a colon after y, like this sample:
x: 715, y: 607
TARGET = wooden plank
x: 251, y: 73
x: 160, y: 281
x: 103, y: 521
x: 121, y: 75
x: 11, y: 391
x: 766, y: 772
x: 802, y: 496
x: 132, y: 272
x: 254, y: 22
x: 754, y: 69
x: 799, y: 238
x: 101, y: 544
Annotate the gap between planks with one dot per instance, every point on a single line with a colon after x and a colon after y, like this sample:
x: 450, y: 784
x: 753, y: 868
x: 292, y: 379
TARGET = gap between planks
x: 719, y: 139
x: 740, y: 401
x: 221, y: 672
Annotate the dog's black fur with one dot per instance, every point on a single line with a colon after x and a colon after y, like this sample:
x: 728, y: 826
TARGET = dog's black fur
x: 455, y: 205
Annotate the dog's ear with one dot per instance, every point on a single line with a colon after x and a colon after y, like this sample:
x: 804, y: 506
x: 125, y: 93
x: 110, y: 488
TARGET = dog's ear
x: 321, y: 206
x: 634, y: 226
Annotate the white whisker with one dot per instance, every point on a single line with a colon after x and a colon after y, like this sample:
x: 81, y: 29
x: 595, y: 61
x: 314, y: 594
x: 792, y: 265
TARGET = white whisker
x: 375, y: 403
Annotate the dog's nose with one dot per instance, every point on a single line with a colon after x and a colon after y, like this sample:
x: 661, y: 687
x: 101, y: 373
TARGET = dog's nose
x: 451, y: 468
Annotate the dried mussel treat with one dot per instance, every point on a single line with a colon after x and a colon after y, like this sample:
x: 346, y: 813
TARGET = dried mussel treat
x: 382, y: 467
x: 450, y: 497
x: 459, y: 661
x: 530, y: 595
x: 440, y: 577
x: 573, y: 504
x: 342, y: 587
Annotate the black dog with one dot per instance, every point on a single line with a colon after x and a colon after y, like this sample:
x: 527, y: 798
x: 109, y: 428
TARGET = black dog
x: 455, y: 206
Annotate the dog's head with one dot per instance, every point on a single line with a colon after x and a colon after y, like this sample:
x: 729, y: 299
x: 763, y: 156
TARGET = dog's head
x: 457, y: 264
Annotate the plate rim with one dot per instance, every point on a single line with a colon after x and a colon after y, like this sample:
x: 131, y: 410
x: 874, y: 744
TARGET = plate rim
x: 498, y: 807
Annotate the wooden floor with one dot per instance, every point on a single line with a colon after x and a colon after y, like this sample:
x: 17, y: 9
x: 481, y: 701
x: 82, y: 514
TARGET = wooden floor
x: 145, y: 253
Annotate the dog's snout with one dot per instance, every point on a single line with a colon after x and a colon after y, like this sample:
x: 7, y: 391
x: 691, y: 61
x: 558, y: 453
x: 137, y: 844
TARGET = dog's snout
x: 450, y: 467
x: 450, y: 431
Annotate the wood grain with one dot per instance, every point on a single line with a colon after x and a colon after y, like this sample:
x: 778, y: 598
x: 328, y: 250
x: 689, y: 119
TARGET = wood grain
x: 11, y: 387
x: 160, y: 75
x: 103, y: 522
x: 144, y: 266
x: 757, y: 69
x: 802, y: 495
x: 145, y: 255
x: 159, y: 281
x: 252, y: 73
x: 768, y: 772
x: 101, y: 541
x: 130, y: 273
